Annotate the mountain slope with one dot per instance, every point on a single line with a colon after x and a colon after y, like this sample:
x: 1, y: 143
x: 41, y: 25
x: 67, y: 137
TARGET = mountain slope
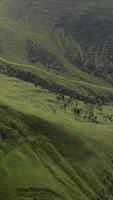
x: 88, y: 24
x: 56, y: 100
x: 74, y: 34
x: 50, y: 155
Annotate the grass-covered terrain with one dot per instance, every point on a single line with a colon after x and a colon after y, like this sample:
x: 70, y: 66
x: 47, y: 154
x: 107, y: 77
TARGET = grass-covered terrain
x: 66, y: 34
x: 49, y: 150
x: 94, y: 91
x: 56, y: 100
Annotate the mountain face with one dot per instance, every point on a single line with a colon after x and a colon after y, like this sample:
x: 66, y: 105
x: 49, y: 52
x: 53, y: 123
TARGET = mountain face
x: 88, y: 24
x: 92, y: 29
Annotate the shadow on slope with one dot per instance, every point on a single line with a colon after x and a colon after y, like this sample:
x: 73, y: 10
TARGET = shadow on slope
x: 41, y: 160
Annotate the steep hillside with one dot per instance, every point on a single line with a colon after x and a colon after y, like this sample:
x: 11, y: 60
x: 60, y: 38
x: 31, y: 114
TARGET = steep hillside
x: 56, y: 100
x: 47, y: 154
x: 84, y: 29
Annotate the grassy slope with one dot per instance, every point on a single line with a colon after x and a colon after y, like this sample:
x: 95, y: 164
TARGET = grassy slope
x: 89, y: 49
x: 46, y: 155
x: 14, y: 49
x: 93, y: 91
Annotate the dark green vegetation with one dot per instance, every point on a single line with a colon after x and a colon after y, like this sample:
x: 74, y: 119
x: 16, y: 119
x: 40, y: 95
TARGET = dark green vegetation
x: 56, y: 100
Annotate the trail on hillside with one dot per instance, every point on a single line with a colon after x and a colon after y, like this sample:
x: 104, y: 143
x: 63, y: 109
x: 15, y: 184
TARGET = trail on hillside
x: 57, y: 76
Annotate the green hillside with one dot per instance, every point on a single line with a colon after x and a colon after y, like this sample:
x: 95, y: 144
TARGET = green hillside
x: 52, y: 155
x: 80, y: 32
x: 56, y: 100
